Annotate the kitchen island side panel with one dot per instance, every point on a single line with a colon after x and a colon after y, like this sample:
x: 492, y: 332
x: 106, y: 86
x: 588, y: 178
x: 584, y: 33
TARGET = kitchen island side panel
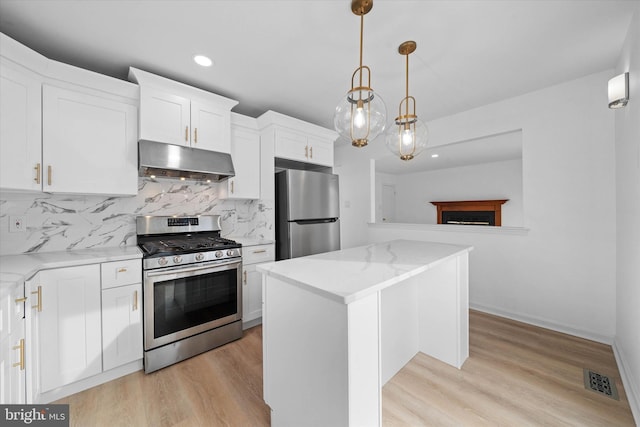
x: 314, y: 374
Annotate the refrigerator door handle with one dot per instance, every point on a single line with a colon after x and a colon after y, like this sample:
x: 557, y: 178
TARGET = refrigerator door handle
x: 315, y: 221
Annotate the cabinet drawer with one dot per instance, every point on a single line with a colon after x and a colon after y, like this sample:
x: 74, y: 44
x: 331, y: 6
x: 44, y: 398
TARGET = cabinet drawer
x: 119, y: 273
x: 258, y: 254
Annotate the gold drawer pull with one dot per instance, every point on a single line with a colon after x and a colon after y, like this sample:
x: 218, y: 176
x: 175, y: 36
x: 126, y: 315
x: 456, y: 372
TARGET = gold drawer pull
x: 306, y: 151
x: 195, y: 135
x: 19, y: 300
x: 37, y: 178
x: 122, y: 270
x: 245, y: 276
x: 135, y: 300
x: 260, y: 251
x: 186, y: 133
x: 21, y: 348
x: 311, y: 152
x: 38, y: 306
x: 49, y: 173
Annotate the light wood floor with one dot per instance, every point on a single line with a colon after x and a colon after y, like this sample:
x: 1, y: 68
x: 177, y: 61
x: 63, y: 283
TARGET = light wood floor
x: 516, y: 375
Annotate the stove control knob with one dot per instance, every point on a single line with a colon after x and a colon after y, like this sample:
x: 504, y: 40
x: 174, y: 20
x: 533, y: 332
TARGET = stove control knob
x: 177, y: 259
x: 230, y: 252
x: 199, y: 257
x: 218, y: 254
x: 162, y: 261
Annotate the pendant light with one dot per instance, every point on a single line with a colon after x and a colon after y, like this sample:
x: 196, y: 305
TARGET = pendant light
x: 408, y: 137
x: 361, y: 115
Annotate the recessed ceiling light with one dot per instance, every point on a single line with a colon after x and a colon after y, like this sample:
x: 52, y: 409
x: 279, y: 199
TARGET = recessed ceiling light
x: 203, y: 60
x: 434, y: 155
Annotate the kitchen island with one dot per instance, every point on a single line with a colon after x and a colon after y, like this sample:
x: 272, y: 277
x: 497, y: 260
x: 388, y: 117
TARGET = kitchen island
x: 337, y: 326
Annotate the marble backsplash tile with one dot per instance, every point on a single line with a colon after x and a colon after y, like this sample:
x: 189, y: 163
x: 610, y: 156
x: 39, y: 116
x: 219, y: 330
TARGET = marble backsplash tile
x: 57, y: 222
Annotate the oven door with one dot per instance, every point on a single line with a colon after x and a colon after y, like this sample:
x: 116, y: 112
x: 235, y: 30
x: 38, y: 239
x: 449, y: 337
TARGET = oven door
x: 183, y: 301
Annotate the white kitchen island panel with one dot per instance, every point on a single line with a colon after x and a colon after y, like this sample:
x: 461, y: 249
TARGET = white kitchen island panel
x: 337, y: 326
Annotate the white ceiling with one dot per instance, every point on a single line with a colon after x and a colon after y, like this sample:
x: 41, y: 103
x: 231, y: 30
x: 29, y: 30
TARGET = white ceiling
x: 297, y: 57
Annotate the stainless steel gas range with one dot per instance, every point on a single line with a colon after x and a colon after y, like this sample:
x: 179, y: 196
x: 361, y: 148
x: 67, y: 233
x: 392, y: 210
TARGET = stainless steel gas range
x: 191, y: 287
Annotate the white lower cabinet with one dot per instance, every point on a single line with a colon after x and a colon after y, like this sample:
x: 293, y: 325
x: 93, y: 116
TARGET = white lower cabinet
x: 84, y: 327
x: 66, y: 327
x: 252, y: 281
x: 12, y: 347
x: 121, y: 325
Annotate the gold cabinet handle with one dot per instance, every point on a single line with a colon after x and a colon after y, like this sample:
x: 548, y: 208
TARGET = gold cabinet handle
x: 21, y: 348
x: 122, y: 270
x: 135, y: 300
x: 195, y: 135
x: 311, y: 152
x: 232, y: 186
x: 19, y: 300
x: 260, y: 251
x: 49, y: 174
x: 38, y: 306
x: 186, y: 133
x: 306, y: 151
x: 37, y: 178
x: 245, y: 276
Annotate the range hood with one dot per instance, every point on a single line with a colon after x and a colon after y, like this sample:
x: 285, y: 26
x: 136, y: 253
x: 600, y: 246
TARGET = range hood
x: 157, y: 159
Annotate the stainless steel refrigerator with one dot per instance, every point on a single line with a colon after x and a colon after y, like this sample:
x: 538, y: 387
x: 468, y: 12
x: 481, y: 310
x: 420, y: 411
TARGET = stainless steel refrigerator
x: 307, y: 213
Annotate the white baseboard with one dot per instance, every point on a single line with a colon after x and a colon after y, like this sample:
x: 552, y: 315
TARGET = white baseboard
x: 604, y: 339
x: 630, y: 387
x: 87, y: 383
x: 251, y: 323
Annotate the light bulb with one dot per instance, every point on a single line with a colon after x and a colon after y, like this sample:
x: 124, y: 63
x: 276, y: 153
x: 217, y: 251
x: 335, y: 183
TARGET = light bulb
x: 359, y: 119
x: 407, y: 138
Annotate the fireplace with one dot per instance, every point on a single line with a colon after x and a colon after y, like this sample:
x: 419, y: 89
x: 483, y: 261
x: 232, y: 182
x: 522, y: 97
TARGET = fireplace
x: 470, y: 212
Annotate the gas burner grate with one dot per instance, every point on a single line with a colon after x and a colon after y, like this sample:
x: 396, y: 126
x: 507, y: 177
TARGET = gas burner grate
x: 600, y: 384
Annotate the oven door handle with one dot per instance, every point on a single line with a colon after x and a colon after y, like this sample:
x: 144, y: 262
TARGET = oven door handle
x: 162, y: 272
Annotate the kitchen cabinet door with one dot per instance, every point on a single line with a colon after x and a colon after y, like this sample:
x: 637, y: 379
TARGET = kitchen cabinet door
x: 12, y: 348
x: 67, y: 326
x: 245, y: 152
x: 291, y: 145
x: 210, y: 126
x: 89, y: 144
x: 121, y: 325
x: 20, y: 128
x: 252, y: 280
x: 164, y: 117
x: 251, y: 294
x: 320, y: 151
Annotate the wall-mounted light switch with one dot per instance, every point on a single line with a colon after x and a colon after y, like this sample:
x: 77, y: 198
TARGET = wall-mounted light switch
x: 17, y: 224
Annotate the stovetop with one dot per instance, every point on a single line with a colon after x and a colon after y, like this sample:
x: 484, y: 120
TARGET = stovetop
x: 171, y: 241
x: 173, y: 245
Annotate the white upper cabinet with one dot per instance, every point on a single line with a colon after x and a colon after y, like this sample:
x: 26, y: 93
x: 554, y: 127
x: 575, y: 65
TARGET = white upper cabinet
x: 245, y: 152
x: 297, y: 140
x: 89, y: 143
x: 174, y: 113
x: 64, y: 129
x: 20, y: 128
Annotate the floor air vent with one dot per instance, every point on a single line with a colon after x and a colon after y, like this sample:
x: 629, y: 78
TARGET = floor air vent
x: 600, y: 384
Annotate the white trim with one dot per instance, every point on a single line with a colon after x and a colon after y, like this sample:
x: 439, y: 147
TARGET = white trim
x: 87, y: 383
x: 515, y: 231
x: 630, y: 387
x: 604, y: 339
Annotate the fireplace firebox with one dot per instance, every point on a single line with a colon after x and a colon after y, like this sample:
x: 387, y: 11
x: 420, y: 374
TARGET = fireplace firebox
x: 471, y: 212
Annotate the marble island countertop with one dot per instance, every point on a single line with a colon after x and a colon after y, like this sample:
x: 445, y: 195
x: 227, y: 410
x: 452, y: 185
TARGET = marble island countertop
x: 18, y: 268
x: 350, y: 274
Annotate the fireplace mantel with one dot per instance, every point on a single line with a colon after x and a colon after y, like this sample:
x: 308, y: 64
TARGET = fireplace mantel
x: 494, y: 206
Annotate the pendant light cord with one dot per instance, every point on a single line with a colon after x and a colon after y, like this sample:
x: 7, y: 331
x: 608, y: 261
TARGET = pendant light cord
x: 361, y: 37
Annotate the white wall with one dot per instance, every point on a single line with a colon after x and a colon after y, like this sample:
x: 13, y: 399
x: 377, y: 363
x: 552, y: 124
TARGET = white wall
x: 627, y: 125
x: 561, y: 273
x: 487, y: 181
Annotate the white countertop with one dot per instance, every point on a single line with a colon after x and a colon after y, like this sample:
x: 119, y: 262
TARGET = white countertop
x: 350, y: 274
x: 18, y: 268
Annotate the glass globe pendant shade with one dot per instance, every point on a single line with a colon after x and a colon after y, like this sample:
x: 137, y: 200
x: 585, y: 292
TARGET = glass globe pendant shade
x: 407, y: 138
x: 360, y: 116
